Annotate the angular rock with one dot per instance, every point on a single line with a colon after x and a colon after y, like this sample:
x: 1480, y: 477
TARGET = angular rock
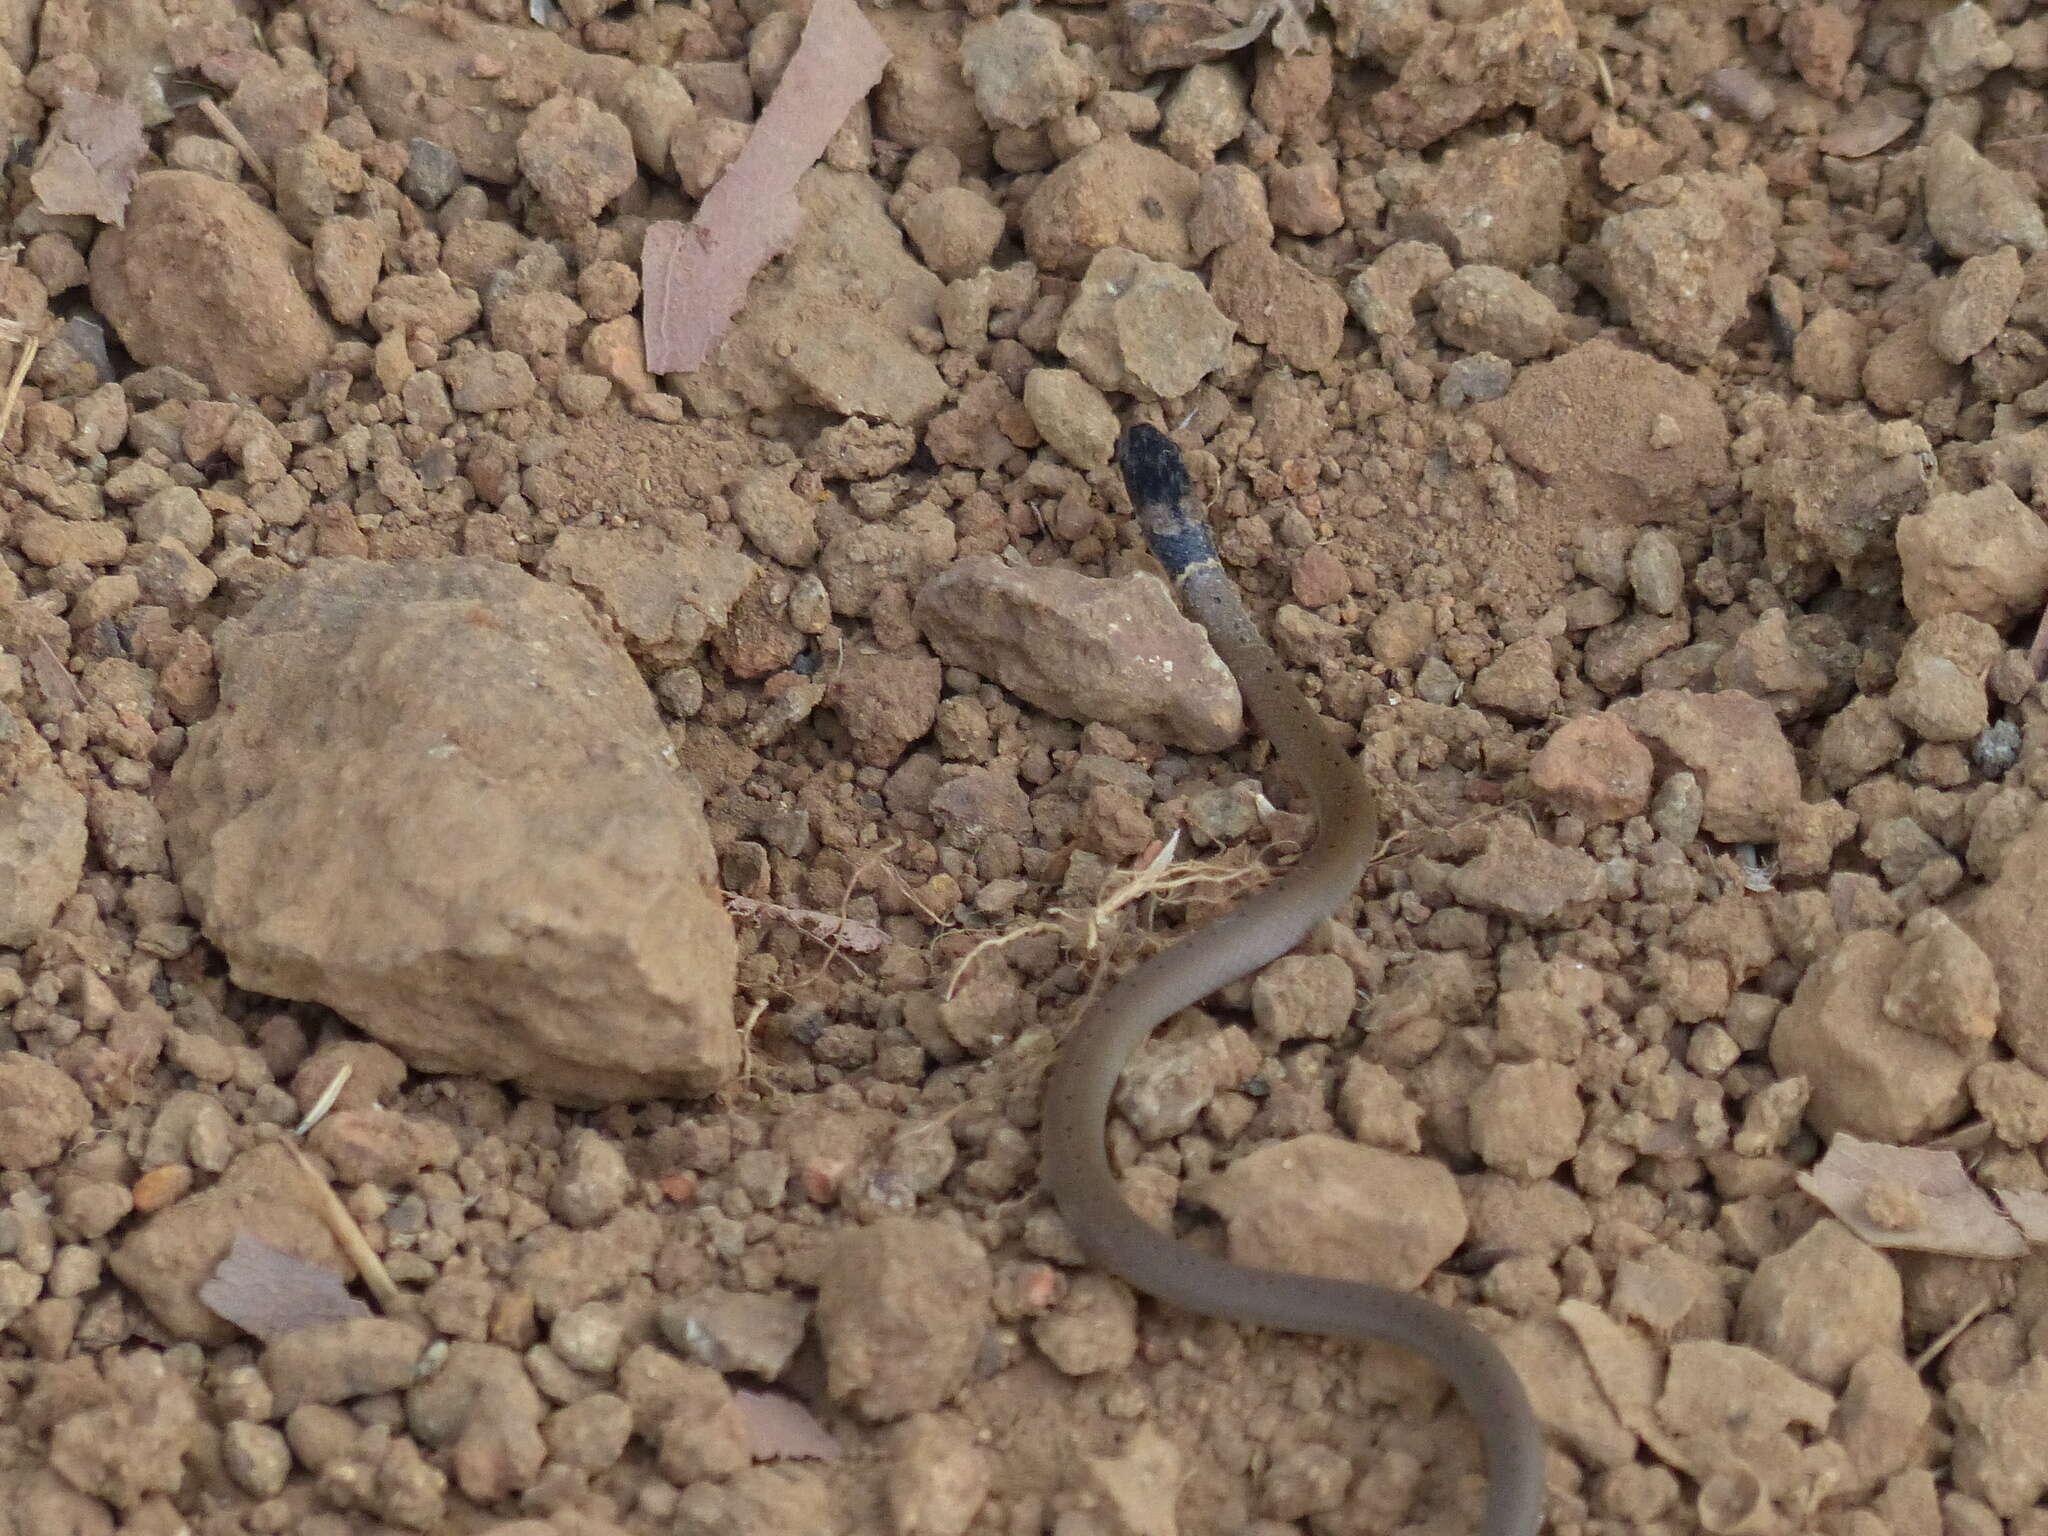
x: 1523, y: 56
x: 1521, y: 682
x: 1685, y: 268
x: 264, y: 1193
x: 128, y: 1446
x: 1939, y: 691
x: 737, y: 1330
x: 1594, y: 767
x: 939, y: 1476
x: 1115, y: 192
x: 1973, y: 206
x: 1869, y: 1076
x: 41, y: 1109
x: 1733, y: 745
x: 1944, y: 985
x: 885, y: 703
x: 1093, y: 1329
x: 333, y: 1362
x: 1982, y: 552
x: 902, y: 1308
x: 859, y: 564
x: 1321, y: 1205
x: 1085, y: 648
x: 1279, y: 304
x: 1071, y: 415
x: 664, y: 593
x: 2005, y: 919
x: 1823, y: 1304
x: 203, y: 279
x: 1143, y: 327
x: 830, y: 323
x: 1486, y: 309
x: 576, y: 155
x: 1497, y: 201
x: 482, y: 1409
x: 1170, y: 1082
x: 42, y: 850
x: 1020, y: 69
x: 956, y: 230
x: 476, y: 847
x: 1962, y: 46
x: 2000, y: 1456
x: 1975, y: 305
x: 1304, y: 997
x: 924, y: 101
x: 1528, y: 878
x: 416, y: 77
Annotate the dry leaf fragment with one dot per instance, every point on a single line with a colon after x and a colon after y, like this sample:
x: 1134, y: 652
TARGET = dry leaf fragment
x: 781, y: 1429
x: 2029, y: 1210
x: 1244, y: 36
x: 1864, y: 129
x: 267, y: 1292
x: 694, y: 278
x: 89, y: 158
x: 840, y: 932
x: 1629, y: 1371
x: 1290, y: 27
x: 1910, y: 1197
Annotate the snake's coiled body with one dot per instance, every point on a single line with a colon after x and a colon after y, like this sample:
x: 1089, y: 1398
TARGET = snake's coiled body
x: 1263, y: 928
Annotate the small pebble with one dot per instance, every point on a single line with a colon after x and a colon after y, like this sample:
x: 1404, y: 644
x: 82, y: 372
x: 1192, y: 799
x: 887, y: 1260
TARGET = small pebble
x: 1996, y: 749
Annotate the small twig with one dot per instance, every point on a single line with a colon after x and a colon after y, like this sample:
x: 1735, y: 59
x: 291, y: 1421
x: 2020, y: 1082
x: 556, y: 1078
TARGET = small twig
x: 350, y: 1236
x: 225, y: 127
x: 993, y: 941
x: 326, y: 1100
x: 2037, y: 653
x: 1157, y: 876
x: 1932, y: 1352
x: 12, y: 398
x: 49, y: 669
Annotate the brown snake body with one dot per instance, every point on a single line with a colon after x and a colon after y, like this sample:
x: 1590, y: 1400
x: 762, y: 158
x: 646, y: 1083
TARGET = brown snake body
x: 1260, y: 930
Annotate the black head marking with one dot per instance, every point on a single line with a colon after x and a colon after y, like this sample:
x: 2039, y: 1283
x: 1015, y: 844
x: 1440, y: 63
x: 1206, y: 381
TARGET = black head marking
x: 1154, y: 472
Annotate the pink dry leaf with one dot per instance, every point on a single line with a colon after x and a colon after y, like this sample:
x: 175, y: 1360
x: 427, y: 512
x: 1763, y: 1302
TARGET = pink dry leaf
x: 1948, y: 1212
x: 89, y: 158
x: 781, y: 1429
x: 2028, y: 1209
x: 695, y: 278
x: 840, y: 932
x: 267, y: 1292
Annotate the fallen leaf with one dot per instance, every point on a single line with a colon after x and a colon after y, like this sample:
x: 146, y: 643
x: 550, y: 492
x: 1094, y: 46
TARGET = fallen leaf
x: 1629, y: 1372
x: 88, y: 160
x: 695, y: 278
x: 839, y: 932
x: 2029, y: 1210
x: 1290, y: 27
x: 1864, y: 129
x: 265, y: 1291
x: 1244, y: 36
x: 1910, y: 1197
x: 781, y: 1429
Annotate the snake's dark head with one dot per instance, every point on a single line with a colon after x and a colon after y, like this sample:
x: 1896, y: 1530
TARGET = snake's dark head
x: 1157, y: 477
x: 1153, y: 470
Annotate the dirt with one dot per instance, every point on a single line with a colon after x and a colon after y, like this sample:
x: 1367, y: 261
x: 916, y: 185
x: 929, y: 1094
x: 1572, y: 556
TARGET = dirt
x: 1625, y: 419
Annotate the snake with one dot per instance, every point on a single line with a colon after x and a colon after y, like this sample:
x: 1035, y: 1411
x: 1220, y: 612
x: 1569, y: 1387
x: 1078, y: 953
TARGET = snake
x: 1262, y: 928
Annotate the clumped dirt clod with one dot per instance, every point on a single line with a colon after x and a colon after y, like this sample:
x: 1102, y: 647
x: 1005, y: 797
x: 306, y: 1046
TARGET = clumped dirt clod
x: 1628, y: 420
